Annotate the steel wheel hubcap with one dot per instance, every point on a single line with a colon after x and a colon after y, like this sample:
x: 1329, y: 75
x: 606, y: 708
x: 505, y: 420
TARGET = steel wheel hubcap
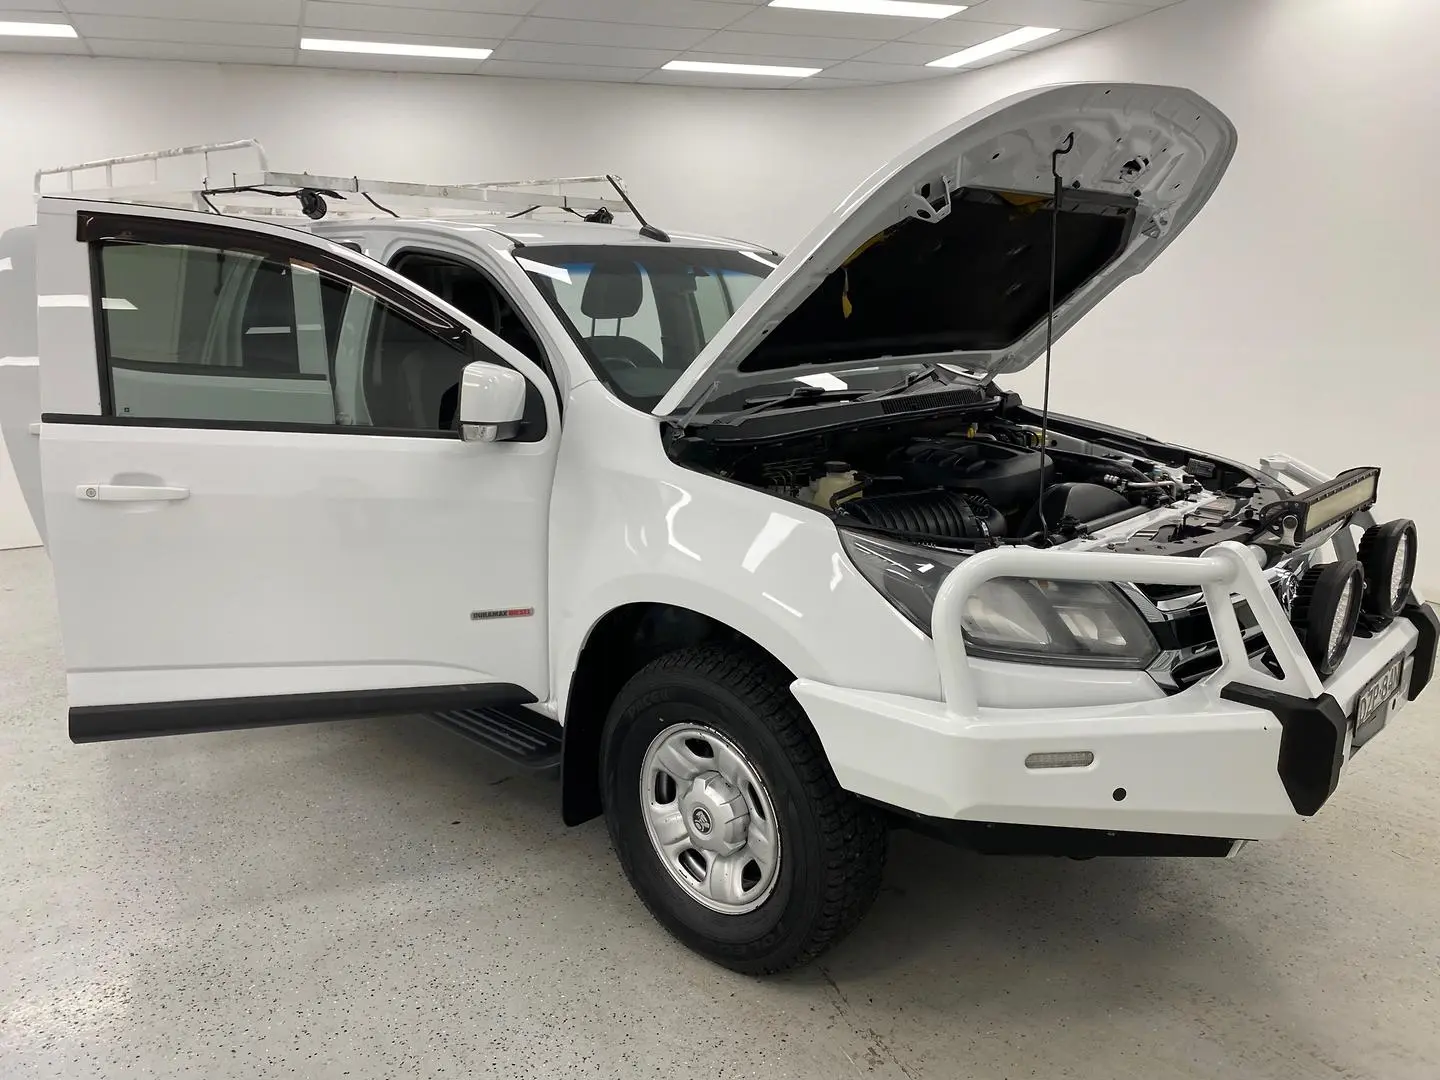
x: 710, y: 818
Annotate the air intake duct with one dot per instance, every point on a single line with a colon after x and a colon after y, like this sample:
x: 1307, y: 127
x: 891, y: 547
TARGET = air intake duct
x: 943, y: 515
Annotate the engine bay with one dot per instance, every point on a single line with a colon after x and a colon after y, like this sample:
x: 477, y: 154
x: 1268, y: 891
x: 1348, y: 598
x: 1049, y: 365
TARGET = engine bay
x: 978, y: 477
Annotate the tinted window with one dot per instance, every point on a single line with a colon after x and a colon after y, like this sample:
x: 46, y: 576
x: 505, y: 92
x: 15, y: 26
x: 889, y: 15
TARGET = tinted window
x: 203, y: 333
x: 474, y: 293
x: 642, y: 314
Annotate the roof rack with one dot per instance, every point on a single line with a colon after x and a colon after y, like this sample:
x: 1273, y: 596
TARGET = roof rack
x: 236, y: 178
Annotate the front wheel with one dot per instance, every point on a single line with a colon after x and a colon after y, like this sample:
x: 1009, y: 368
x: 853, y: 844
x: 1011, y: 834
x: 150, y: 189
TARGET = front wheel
x: 726, y: 816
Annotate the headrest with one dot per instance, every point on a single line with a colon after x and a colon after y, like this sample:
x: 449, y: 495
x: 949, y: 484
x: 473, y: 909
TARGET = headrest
x: 613, y: 290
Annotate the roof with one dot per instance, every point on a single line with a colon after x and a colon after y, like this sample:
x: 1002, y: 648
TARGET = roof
x: 534, y: 233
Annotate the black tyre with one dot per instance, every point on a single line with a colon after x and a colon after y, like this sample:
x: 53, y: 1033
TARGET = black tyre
x: 726, y: 816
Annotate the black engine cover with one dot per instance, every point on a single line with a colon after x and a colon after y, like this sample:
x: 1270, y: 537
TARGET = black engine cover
x: 1010, y: 477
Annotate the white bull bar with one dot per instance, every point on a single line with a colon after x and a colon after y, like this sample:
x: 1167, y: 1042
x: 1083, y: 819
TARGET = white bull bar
x: 1223, y: 572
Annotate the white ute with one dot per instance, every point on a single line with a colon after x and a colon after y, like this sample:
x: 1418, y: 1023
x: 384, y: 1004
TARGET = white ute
x: 752, y: 547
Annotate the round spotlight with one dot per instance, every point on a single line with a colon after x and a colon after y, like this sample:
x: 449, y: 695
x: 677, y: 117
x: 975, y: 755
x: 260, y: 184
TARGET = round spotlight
x: 1387, y: 553
x: 1326, y: 609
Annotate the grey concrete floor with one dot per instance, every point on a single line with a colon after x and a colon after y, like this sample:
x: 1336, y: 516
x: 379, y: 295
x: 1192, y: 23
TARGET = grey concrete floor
x: 380, y: 899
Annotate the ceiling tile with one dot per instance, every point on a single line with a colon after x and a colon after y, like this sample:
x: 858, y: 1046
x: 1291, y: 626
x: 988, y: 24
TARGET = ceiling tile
x: 958, y: 34
x: 770, y: 20
x: 173, y: 50
x: 817, y: 48
x: 700, y: 13
x: 578, y: 32
x: 520, y: 69
x: 31, y: 7
x: 886, y: 73
x: 592, y: 55
x: 117, y: 27
x: 327, y: 15
x: 1066, y: 14
x: 819, y: 83
x: 240, y: 11
x: 904, y: 52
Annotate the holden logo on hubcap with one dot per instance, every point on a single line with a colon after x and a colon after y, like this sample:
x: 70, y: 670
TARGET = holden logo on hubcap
x: 701, y: 820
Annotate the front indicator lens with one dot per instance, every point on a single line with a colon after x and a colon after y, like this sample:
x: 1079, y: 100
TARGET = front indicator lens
x: 1071, y: 623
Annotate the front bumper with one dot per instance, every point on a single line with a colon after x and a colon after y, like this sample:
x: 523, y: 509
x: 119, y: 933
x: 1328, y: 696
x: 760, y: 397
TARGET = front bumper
x: 1239, y: 755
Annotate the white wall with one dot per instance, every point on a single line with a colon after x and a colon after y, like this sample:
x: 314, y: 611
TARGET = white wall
x: 1295, y: 314
x: 1299, y: 311
x: 698, y: 158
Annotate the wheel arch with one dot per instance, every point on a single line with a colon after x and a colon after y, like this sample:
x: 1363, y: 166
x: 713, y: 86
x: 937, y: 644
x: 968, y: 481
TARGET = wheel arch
x: 617, y: 644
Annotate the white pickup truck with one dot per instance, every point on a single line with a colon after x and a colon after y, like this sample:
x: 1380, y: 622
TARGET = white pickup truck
x: 753, y: 548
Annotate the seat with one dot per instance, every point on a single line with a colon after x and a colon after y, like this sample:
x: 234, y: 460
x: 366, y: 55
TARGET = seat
x: 431, y: 377
x: 614, y: 290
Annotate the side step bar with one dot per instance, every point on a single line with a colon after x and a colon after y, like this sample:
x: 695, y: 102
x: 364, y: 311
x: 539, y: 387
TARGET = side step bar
x: 516, y: 734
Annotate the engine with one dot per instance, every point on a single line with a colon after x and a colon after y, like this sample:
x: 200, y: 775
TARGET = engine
x: 979, y: 483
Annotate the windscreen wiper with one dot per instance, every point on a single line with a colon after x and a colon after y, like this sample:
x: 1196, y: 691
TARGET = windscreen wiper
x: 801, y: 395
x: 928, y: 371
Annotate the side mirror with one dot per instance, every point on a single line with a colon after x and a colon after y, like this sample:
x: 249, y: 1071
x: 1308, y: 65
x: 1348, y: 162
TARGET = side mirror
x: 492, y: 402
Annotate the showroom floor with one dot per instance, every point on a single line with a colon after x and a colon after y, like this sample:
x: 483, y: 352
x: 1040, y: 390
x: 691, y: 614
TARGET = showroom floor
x: 378, y: 899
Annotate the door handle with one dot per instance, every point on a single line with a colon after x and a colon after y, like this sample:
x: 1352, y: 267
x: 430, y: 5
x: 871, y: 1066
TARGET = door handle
x: 129, y: 493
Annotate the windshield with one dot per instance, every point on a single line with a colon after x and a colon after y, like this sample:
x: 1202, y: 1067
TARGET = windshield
x: 641, y: 314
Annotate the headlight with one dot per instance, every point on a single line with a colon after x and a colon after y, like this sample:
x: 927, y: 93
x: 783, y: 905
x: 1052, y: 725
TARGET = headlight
x: 1039, y: 622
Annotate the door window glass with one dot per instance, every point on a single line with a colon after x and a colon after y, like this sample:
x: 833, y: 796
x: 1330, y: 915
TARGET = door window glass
x: 212, y: 334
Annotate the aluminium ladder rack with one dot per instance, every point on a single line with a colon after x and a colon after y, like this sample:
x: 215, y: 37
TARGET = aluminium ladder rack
x: 236, y: 178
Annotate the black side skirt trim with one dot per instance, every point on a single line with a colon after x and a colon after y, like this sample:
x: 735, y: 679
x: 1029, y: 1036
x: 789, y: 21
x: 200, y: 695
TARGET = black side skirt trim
x: 98, y: 723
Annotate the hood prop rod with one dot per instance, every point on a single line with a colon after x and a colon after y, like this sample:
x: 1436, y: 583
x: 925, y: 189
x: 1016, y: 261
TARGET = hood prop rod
x: 1055, y: 156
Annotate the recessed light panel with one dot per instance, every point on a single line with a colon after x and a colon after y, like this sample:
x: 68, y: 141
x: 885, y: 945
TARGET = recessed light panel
x: 1000, y: 44
x: 904, y: 9
x: 387, y: 48
x: 772, y: 70
x: 37, y: 29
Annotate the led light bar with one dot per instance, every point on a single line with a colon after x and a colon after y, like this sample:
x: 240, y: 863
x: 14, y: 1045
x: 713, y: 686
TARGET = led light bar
x: 1324, y: 505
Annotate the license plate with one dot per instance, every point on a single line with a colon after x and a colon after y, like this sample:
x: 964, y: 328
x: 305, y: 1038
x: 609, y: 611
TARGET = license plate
x: 1372, y: 707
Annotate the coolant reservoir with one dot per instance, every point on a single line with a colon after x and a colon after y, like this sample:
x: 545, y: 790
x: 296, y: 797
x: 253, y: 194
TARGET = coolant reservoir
x: 838, y: 476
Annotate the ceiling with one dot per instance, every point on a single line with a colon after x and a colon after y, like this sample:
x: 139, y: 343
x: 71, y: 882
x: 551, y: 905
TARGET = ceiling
x: 604, y: 40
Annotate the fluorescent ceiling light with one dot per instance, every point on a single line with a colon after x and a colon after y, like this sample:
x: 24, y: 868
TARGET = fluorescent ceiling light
x: 37, y: 29
x: 904, y: 9
x: 742, y: 69
x: 999, y: 44
x: 386, y: 48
